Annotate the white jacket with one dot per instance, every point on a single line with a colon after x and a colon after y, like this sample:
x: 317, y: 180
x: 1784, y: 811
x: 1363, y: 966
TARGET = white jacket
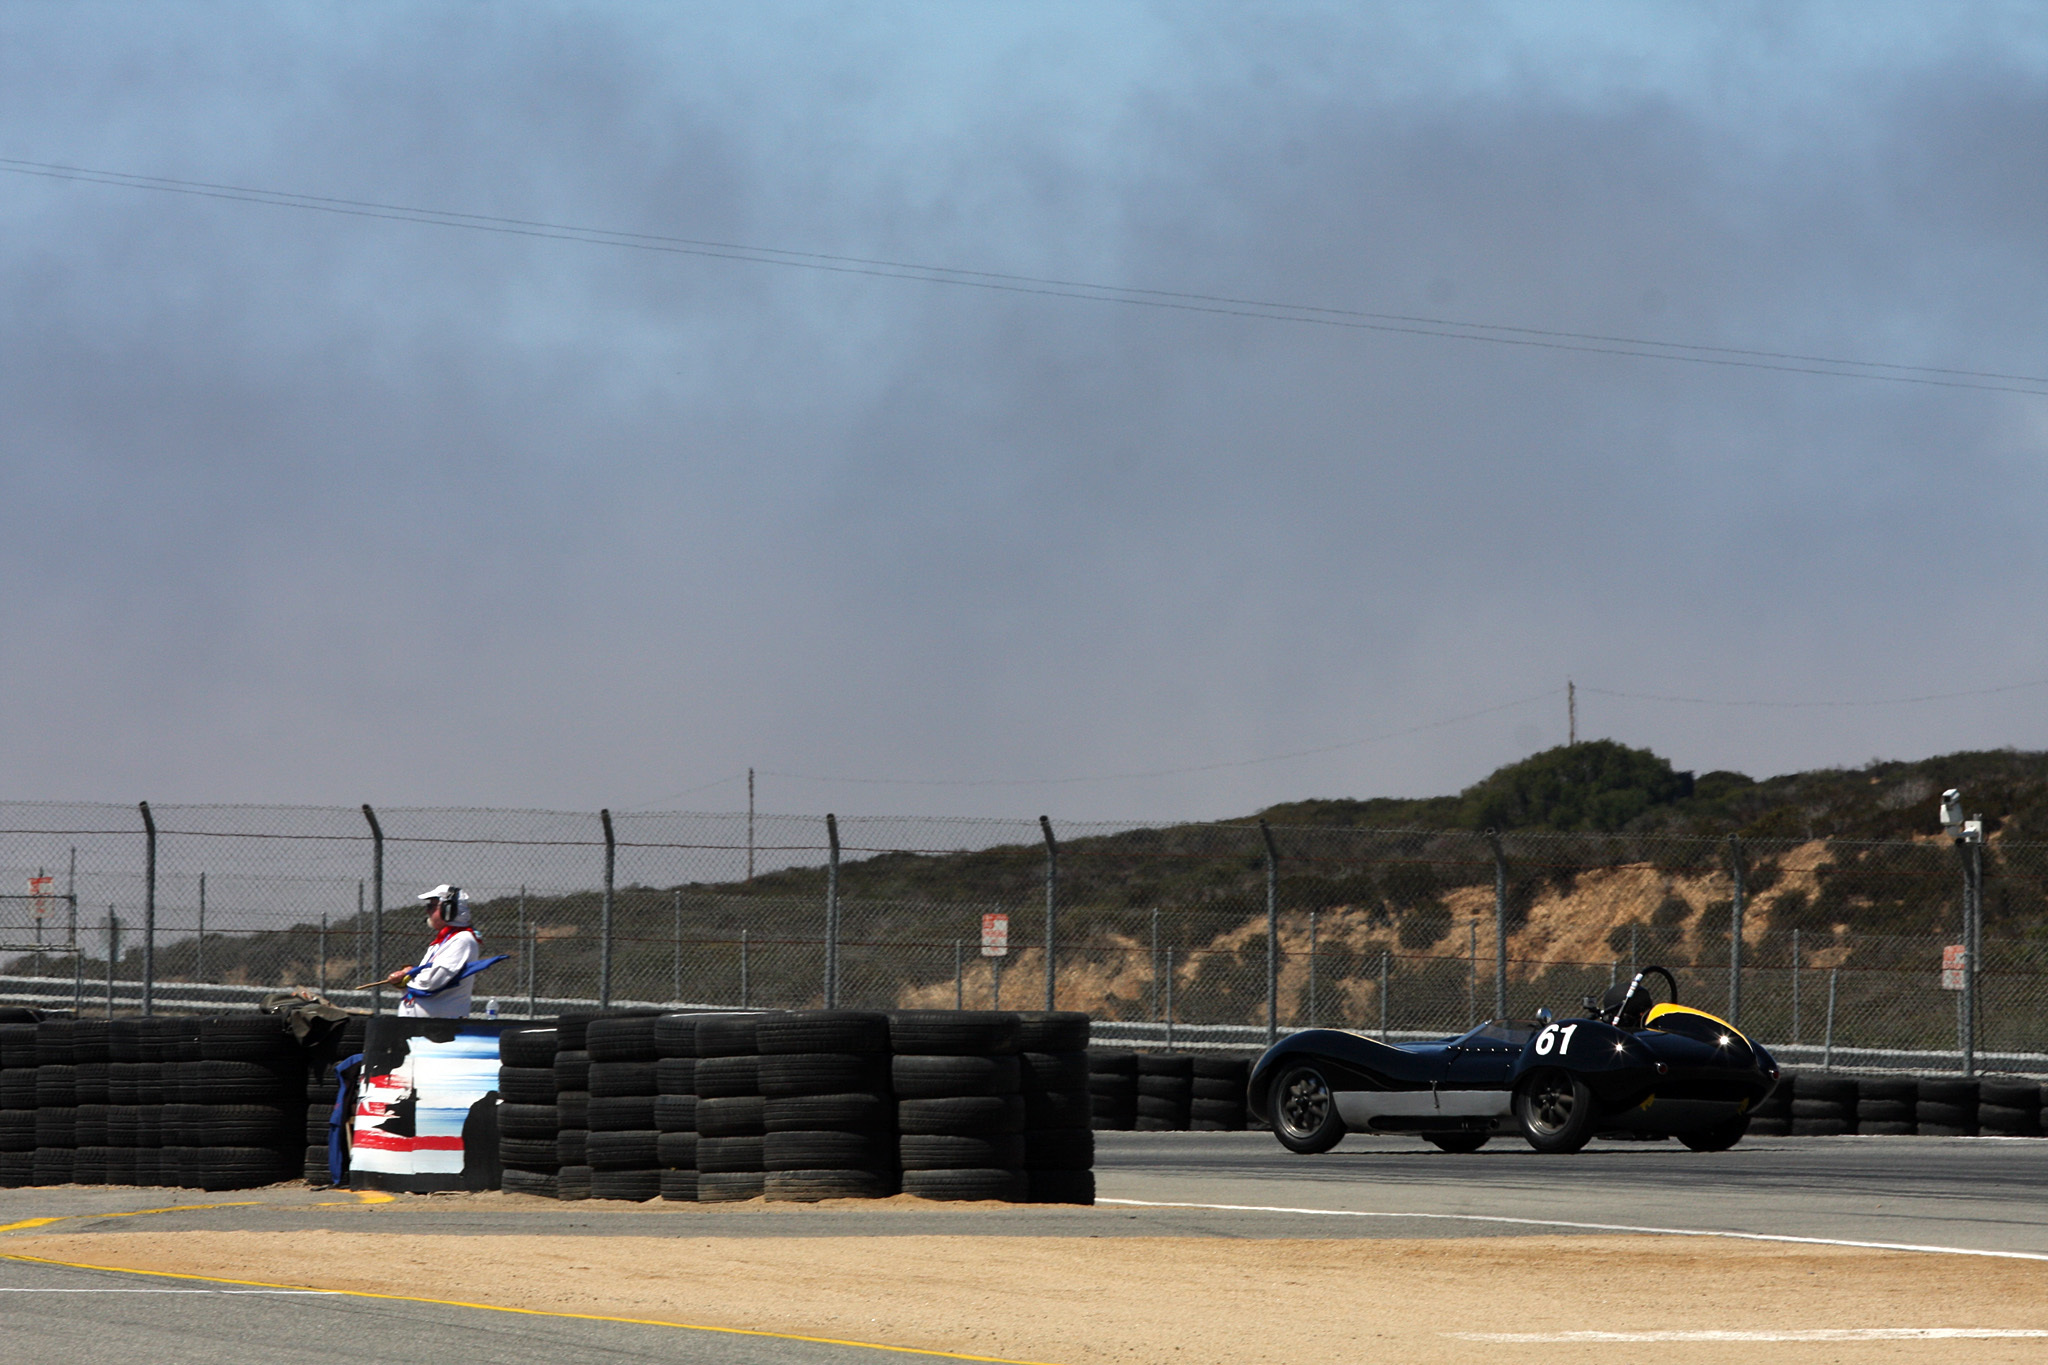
x: 444, y: 962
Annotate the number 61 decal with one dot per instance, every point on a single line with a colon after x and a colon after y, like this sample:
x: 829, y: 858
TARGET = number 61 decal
x: 1558, y: 1037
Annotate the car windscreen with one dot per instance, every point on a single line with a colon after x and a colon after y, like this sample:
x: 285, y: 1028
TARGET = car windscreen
x: 1500, y: 1033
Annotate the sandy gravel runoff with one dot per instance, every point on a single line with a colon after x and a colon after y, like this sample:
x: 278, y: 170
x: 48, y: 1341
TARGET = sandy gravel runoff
x: 1202, y: 1301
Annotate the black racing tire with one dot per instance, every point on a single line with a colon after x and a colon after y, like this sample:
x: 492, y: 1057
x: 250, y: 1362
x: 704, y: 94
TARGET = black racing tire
x: 1822, y: 1127
x: 529, y: 1120
x: 573, y: 1182
x: 1896, y: 1089
x: 91, y: 1079
x: 621, y: 1113
x: 1053, y: 1072
x: 633, y: 1150
x: 1112, y: 1062
x: 675, y: 1035
x: 729, y: 1155
x: 1211, y: 1088
x: 541, y: 1184
x: 219, y: 1081
x: 809, y: 1186
x: 572, y: 1147
x: 788, y: 1075
x: 1228, y: 1116
x: 728, y: 1035
x: 248, y: 1038
x: 240, y: 1125
x: 57, y: 1128
x: 1178, y: 1065
x: 17, y: 1046
x: 830, y: 1151
x: 572, y: 1070
x: 1869, y: 1111
x: 531, y: 1046
x: 1998, y: 1120
x: 319, y: 1123
x: 1060, y: 1187
x: 1945, y: 1115
x: 1555, y: 1110
x: 1055, y: 1109
x: 17, y: 1169
x: 679, y: 1186
x: 927, y: 1077
x: 852, y: 1113
x: 1173, y: 1112
x: 56, y: 1085
x: 237, y: 1168
x: 1059, y: 1150
x: 1304, y: 1108
x: 621, y: 1038
x: 962, y: 1116
x: 18, y: 1089
x: 735, y: 1116
x: 17, y: 1130
x: 1950, y: 1090
x: 635, y: 1187
x: 1459, y: 1143
x: 675, y: 1076
x: 91, y: 1126
x: 1884, y: 1128
x: 848, y: 1032
x: 960, y: 1033
x: 572, y: 1109
x: 1766, y: 1125
x: 572, y: 1031
x: 2009, y: 1092
x: 622, y: 1078
x: 53, y: 1166
x: 1718, y: 1138
x: 528, y: 1154
x: 1944, y: 1130
x: 89, y: 1165
x: 675, y: 1113
x: 318, y: 1173
x: 726, y: 1077
x: 929, y: 1152
x: 1010, y: 1186
x: 727, y: 1187
x: 1052, y: 1031
x: 676, y: 1151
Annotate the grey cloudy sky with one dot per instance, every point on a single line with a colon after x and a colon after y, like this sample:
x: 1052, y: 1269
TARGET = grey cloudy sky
x: 319, y: 508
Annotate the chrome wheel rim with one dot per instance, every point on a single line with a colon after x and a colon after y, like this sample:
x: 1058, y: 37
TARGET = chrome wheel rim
x: 1304, y: 1105
x: 1550, y: 1105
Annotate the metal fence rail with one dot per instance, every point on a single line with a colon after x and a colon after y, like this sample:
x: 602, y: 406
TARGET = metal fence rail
x: 1219, y: 934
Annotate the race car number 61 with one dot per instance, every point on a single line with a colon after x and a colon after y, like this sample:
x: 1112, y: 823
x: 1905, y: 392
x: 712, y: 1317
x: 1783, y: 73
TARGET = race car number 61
x: 1557, y: 1036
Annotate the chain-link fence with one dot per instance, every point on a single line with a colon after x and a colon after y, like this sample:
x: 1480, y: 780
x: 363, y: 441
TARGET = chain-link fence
x: 1194, y: 935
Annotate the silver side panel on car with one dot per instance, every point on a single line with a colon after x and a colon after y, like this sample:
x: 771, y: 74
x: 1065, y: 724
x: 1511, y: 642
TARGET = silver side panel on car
x: 1358, y: 1108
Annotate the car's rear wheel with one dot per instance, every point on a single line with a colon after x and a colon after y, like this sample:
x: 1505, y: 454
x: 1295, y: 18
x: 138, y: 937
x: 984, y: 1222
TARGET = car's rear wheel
x: 1555, y: 1110
x: 1720, y: 1137
x: 1458, y: 1142
x: 1305, y: 1111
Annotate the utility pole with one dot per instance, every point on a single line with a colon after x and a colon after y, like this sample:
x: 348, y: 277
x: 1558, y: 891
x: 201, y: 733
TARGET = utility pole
x: 1571, y: 711
x: 750, y: 824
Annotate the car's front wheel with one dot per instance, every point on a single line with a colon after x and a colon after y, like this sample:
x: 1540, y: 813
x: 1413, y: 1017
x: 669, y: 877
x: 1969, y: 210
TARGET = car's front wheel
x: 1305, y: 1111
x: 1720, y: 1137
x: 1555, y: 1110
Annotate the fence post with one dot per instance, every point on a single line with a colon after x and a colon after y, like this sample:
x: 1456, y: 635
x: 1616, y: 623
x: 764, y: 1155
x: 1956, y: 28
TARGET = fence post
x: 1827, y: 1051
x: 322, y: 975
x: 113, y: 955
x: 1052, y: 882
x: 376, y: 909
x: 1973, y: 917
x: 1472, y: 974
x: 746, y: 990
x: 1272, y: 934
x: 1169, y: 999
x: 1384, y: 955
x: 959, y: 977
x: 1735, y: 931
x: 832, y: 913
x: 1500, y: 928
x: 199, y: 948
x: 149, y: 913
x: 532, y: 971
x: 1795, y: 988
x: 676, y: 993
x: 77, y: 957
x: 1158, y: 1009
x: 604, y: 928
x: 1311, y: 969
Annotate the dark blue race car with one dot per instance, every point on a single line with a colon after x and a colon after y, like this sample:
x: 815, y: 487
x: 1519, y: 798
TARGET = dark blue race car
x: 1631, y: 1067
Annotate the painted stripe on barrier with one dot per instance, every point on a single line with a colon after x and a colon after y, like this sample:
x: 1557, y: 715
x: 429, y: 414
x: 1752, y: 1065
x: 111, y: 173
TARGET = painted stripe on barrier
x: 526, y: 1312
x: 1590, y: 1227
x: 1786, y: 1334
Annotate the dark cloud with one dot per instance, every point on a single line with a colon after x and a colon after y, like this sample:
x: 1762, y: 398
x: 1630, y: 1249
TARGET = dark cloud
x: 312, y: 507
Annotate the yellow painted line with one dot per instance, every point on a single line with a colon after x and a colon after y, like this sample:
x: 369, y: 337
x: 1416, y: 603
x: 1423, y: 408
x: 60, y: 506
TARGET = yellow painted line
x: 130, y: 1213
x: 374, y: 1197
x: 526, y: 1312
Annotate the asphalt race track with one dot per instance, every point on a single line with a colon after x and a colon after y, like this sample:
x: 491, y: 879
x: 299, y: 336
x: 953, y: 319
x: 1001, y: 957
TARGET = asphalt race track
x: 1967, y: 1194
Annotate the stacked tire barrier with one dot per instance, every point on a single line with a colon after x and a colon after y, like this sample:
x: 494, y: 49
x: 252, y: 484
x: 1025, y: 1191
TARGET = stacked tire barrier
x: 827, y: 1108
x: 1945, y: 1106
x: 730, y: 1112
x: 2008, y: 1107
x: 1167, y: 1092
x: 1113, y: 1090
x: 1826, y: 1103
x: 572, y: 1108
x: 1217, y: 1101
x: 323, y: 1088
x: 1165, y: 1088
x: 17, y: 1104
x: 675, y: 1105
x: 1059, y: 1139
x: 621, y: 1147
x: 1773, y: 1117
x: 528, y: 1119
x: 959, y: 1104
x: 1884, y: 1105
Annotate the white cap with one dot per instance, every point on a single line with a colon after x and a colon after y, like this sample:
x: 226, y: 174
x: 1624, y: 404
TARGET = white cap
x: 440, y: 893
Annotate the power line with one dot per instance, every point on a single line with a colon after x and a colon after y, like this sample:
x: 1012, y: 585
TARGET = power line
x: 1499, y: 334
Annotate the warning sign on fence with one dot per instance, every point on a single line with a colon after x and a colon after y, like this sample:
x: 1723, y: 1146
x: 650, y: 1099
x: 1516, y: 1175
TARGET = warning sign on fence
x: 1955, y: 960
x: 995, y: 935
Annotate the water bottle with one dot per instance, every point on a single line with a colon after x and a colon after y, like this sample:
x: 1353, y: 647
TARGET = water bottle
x: 491, y: 1008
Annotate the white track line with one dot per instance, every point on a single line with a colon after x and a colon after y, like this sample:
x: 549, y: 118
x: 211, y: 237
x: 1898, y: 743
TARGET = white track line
x: 56, y: 1289
x: 1590, y: 1227
x: 1815, y: 1334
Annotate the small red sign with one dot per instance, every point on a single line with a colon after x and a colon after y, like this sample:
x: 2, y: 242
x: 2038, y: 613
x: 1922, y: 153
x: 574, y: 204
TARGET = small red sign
x: 995, y: 935
x: 1955, y: 961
